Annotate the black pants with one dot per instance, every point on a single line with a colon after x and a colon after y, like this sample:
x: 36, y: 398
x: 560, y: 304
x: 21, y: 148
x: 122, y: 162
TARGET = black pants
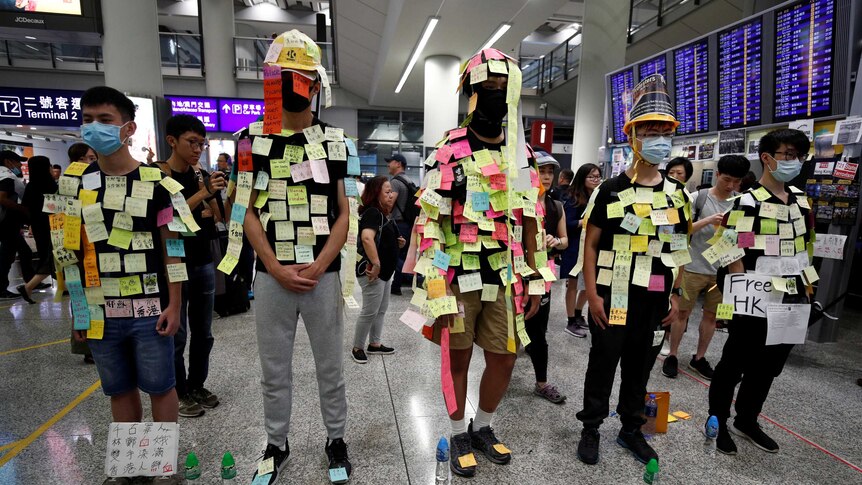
x: 745, y: 358
x: 12, y: 243
x: 536, y: 328
x: 630, y: 346
x: 399, y: 278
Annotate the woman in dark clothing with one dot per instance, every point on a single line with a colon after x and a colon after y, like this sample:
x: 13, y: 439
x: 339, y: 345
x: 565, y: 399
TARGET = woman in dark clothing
x: 588, y: 177
x: 41, y: 183
x: 379, y: 243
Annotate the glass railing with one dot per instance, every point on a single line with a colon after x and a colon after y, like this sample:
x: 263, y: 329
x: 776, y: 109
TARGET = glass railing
x: 545, y: 72
x: 645, y: 13
x: 251, y: 51
x: 181, y: 54
x: 46, y: 55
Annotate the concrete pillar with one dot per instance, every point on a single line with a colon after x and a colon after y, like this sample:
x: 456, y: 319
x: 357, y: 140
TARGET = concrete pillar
x: 603, y: 49
x: 131, y: 47
x: 441, y: 97
x: 218, y: 30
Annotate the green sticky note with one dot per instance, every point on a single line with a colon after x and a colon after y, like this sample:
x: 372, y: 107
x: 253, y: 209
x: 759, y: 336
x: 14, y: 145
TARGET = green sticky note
x: 761, y: 194
x: 293, y: 154
x: 622, y: 242
x: 499, y: 201
x: 616, y: 210
x: 150, y: 174
x: 724, y: 311
x: 733, y: 219
x: 800, y: 244
x: 659, y: 200
x: 280, y: 168
x: 470, y: 261
x: 497, y: 260
x: 120, y: 238
x: 627, y: 197
x: 541, y: 258
x: 647, y: 228
x: 768, y: 226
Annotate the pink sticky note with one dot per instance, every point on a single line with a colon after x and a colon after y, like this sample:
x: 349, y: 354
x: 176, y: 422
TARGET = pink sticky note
x: 450, y: 275
x: 498, y: 181
x: 425, y: 244
x: 165, y: 216
x: 475, y: 61
x: 519, y: 304
x: 461, y: 149
x: 319, y: 171
x: 517, y: 249
x: 444, y: 153
x: 446, y: 373
x: 540, y: 209
x: 534, y: 179
x: 518, y: 286
x: 519, y: 216
x: 547, y: 286
x: 446, y: 185
x: 501, y: 232
x: 469, y: 233
x: 457, y: 133
x: 773, y: 245
x: 490, y: 169
x: 745, y: 240
x: 656, y: 282
x: 446, y: 174
x: 492, y: 214
x: 492, y: 54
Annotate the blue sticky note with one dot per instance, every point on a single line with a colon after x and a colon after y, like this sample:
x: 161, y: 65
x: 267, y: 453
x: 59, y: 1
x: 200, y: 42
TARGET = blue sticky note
x: 441, y: 260
x: 351, y: 146
x: 237, y: 213
x: 80, y: 309
x: 176, y: 248
x: 353, y: 165
x: 350, y: 189
x: 261, y: 479
x: 338, y: 475
x: 481, y: 203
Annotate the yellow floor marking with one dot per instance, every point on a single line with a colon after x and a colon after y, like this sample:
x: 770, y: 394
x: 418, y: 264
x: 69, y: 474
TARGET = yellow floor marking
x: 22, y: 349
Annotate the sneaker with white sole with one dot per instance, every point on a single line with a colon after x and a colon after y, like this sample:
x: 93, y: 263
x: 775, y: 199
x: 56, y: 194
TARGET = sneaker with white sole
x: 359, y: 356
x: 753, y: 433
x: 189, y: 408
x: 279, y: 459
x: 665, y: 349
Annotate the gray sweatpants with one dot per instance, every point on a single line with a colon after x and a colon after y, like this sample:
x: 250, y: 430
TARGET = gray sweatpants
x: 375, y: 302
x: 277, y: 312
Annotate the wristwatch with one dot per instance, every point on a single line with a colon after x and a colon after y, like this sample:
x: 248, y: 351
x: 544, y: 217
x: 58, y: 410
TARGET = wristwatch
x: 676, y: 291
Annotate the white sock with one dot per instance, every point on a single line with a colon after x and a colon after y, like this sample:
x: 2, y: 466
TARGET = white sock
x: 482, y: 419
x: 458, y: 426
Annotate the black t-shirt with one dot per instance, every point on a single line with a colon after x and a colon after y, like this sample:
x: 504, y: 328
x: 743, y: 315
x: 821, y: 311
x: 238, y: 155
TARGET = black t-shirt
x: 11, y: 218
x: 155, y: 267
x: 336, y: 170
x: 387, y: 248
x: 197, y: 245
x: 609, y: 193
x: 33, y: 200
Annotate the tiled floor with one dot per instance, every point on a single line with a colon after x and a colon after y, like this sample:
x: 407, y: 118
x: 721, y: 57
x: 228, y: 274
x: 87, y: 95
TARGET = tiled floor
x: 396, y: 413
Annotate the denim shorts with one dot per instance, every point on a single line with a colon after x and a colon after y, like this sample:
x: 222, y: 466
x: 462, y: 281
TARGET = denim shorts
x: 132, y: 354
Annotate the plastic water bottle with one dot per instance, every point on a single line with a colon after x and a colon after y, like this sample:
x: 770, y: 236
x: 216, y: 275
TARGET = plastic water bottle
x: 193, y: 467
x: 441, y: 475
x: 651, y: 472
x: 228, y: 468
x: 651, y: 411
x: 711, y: 432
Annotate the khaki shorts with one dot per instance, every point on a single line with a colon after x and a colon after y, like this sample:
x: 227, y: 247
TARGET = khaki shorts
x: 485, y: 323
x: 694, y: 284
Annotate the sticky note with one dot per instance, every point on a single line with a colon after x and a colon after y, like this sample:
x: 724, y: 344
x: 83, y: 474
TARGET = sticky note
x: 314, y: 134
x: 630, y: 222
x: 810, y: 274
x: 177, y: 272
x: 120, y: 238
x: 467, y: 460
x: 92, y: 181
x: 605, y: 277
x: 501, y: 448
x: 761, y: 194
x: 671, y: 418
x: 266, y: 466
x: 724, y: 311
x: 489, y: 292
x: 304, y: 253
x: 639, y: 244
x: 176, y: 248
x: 627, y: 197
x: 296, y: 195
x: 319, y: 171
x: 681, y: 414
x: 441, y: 260
x: 171, y: 185
x: 768, y: 226
x: 656, y: 283
x: 436, y: 288
x: 338, y: 475
x: 130, y: 285
x: 149, y: 174
x: 622, y: 242
x: 135, y: 262
x: 615, y: 210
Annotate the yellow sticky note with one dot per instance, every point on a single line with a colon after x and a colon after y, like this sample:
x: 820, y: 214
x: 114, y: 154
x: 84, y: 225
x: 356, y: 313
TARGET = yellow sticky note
x: 606, y: 258
x: 436, y: 288
x: 76, y: 169
x: 467, y: 460
x: 761, y: 194
x: 724, y: 311
x: 671, y: 418
x: 627, y: 197
x: 130, y: 285
x: 72, y: 233
x: 171, y: 185
x: 673, y: 216
x: 177, y: 272
x: 681, y: 414
x: 639, y: 244
x: 280, y: 168
x: 150, y: 174
x: 96, y: 330
x: 810, y: 274
x: 659, y: 200
x: 228, y: 263
x: 87, y: 197
x: 296, y: 195
x: 642, y: 210
x: 501, y: 448
x: 615, y: 210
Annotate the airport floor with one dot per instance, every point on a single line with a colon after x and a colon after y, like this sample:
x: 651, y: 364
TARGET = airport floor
x: 54, y: 418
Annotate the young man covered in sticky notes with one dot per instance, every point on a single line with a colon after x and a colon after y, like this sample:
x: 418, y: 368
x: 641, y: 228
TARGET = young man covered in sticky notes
x: 626, y: 317
x: 129, y: 326
x: 468, y: 243
x: 297, y: 270
x: 710, y: 207
x: 186, y: 136
x: 746, y: 356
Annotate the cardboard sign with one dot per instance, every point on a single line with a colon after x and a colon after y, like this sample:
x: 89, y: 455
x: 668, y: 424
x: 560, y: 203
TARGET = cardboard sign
x: 750, y: 294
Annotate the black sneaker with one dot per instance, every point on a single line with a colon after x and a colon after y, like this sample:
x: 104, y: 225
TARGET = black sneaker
x: 8, y: 295
x: 485, y: 441
x: 395, y: 291
x: 724, y: 442
x: 359, y: 356
x: 278, y: 458
x: 205, y: 398
x: 636, y: 443
x: 379, y: 350
x: 339, y: 464
x: 670, y: 368
x: 588, y: 447
x: 702, y: 367
x: 756, y: 435
x: 462, y: 461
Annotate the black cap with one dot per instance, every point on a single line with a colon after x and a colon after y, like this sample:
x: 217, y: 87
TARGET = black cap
x: 398, y: 158
x: 10, y: 155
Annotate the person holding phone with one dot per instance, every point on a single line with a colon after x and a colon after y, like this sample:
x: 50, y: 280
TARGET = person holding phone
x: 379, y: 242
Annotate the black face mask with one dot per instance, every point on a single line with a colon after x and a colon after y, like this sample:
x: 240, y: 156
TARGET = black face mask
x: 291, y: 101
x: 491, y: 108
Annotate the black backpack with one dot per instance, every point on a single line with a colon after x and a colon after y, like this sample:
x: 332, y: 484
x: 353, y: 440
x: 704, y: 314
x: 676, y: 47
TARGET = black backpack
x: 409, y: 212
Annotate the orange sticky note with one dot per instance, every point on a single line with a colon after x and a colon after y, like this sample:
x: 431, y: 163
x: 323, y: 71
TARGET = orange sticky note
x: 501, y: 448
x: 681, y: 414
x: 467, y: 460
x: 301, y: 85
x: 673, y: 216
x: 436, y: 289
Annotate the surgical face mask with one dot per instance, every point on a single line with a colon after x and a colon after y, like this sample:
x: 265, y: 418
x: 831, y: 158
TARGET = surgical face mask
x: 654, y: 149
x: 17, y: 171
x: 786, y: 170
x: 103, y: 138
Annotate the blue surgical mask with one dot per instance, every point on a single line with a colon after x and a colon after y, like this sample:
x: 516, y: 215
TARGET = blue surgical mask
x: 786, y: 170
x: 655, y: 149
x: 103, y: 138
x: 17, y: 172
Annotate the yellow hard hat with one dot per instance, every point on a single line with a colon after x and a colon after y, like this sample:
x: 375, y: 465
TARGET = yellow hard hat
x: 293, y: 50
x: 651, y: 102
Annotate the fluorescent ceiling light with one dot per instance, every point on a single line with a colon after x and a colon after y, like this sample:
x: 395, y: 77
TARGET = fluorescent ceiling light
x: 501, y: 30
x: 417, y: 51
x: 29, y: 37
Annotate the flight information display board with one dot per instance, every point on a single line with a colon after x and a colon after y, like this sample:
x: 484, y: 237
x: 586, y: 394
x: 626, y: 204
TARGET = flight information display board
x: 622, y: 84
x: 691, y: 80
x: 804, y: 55
x: 656, y: 65
x: 739, y: 75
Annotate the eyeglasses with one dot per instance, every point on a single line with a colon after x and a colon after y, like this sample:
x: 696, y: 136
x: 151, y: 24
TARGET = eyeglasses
x: 594, y: 177
x: 787, y: 156
x: 202, y: 145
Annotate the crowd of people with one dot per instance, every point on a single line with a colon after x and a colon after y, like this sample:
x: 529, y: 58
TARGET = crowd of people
x: 144, y: 249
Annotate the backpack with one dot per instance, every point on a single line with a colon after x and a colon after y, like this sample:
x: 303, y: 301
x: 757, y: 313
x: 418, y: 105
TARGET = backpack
x: 699, y: 203
x: 409, y: 212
